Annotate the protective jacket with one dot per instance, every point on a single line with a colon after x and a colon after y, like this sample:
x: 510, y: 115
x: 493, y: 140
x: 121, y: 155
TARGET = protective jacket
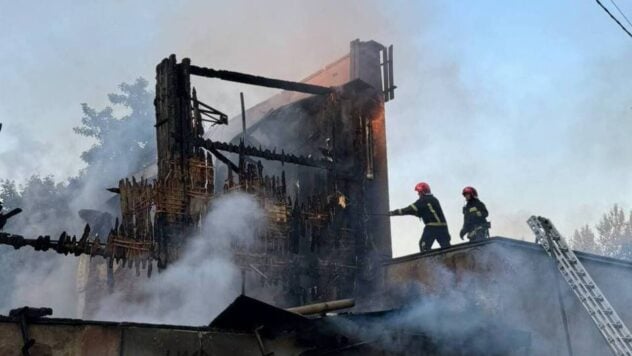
x: 474, y: 215
x: 427, y: 208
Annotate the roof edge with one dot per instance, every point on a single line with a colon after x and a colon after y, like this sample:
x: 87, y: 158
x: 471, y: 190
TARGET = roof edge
x: 509, y: 242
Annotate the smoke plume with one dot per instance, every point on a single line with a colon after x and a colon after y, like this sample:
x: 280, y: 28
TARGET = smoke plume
x: 204, y: 280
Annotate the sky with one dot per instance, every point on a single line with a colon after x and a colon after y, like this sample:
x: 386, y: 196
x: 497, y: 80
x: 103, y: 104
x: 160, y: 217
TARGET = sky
x: 528, y: 101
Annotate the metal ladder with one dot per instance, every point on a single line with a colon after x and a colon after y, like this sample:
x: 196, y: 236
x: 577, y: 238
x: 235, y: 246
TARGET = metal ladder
x: 602, y: 313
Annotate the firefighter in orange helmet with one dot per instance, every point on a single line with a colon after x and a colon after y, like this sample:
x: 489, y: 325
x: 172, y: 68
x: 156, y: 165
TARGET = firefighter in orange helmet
x: 428, y: 209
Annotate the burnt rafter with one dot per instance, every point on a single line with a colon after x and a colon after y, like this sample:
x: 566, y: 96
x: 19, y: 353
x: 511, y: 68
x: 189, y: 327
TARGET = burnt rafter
x: 264, y: 153
x: 207, y: 113
x: 5, y: 217
x: 224, y: 159
x: 84, y: 245
x: 260, y: 81
x: 65, y: 244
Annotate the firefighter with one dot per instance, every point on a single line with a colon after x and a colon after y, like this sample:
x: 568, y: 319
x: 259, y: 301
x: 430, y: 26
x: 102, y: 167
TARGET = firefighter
x: 428, y: 209
x: 475, y: 224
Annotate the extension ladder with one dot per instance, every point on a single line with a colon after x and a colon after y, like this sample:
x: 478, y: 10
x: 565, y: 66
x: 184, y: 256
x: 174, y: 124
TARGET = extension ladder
x: 602, y: 313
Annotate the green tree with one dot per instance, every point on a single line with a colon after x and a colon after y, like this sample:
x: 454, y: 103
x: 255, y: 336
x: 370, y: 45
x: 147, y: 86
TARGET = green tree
x: 124, y: 144
x: 614, y: 230
x: 613, y: 237
x: 584, y: 240
x: 9, y: 194
x: 45, y: 204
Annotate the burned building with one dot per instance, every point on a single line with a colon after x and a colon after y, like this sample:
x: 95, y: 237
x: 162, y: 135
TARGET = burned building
x: 317, y: 165
x: 314, y: 158
x: 317, y: 187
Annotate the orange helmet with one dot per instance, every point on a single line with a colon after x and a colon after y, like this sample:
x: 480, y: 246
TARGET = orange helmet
x: 422, y: 188
x: 471, y: 191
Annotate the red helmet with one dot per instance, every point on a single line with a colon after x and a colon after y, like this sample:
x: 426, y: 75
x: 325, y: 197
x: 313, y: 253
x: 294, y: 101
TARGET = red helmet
x: 422, y: 188
x: 471, y: 191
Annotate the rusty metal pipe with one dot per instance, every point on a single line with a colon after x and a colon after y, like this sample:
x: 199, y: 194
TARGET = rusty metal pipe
x: 323, y: 307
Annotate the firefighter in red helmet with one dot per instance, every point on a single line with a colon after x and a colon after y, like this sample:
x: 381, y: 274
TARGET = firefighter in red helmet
x: 475, y: 224
x: 428, y: 209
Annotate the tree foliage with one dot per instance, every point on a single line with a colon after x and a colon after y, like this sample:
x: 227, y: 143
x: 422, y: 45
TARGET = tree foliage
x: 584, y: 239
x: 45, y: 204
x: 9, y: 194
x: 613, y: 235
x: 123, y: 144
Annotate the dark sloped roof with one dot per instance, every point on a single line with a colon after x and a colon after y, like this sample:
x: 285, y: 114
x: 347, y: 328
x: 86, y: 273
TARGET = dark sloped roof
x: 246, y: 314
x: 505, y: 241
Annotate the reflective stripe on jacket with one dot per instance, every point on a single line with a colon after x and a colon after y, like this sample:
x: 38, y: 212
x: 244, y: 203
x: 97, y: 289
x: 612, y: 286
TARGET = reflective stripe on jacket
x: 428, y: 209
x: 474, y: 215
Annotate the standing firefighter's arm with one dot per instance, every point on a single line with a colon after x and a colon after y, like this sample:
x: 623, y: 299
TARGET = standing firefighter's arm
x: 483, y: 210
x: 409, y: 210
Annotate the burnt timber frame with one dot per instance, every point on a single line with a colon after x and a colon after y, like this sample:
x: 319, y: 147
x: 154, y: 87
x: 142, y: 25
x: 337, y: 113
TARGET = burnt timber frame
x: 179, y: 137
x: 259, y: 81
x: 312, y: 225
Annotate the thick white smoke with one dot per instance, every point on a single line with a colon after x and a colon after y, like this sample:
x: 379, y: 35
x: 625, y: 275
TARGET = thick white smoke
x: 32, y: 278
x: 204, y: 280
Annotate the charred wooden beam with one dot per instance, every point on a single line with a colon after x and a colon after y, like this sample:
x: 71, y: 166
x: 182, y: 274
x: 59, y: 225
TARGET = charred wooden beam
x: 260, y: 81
x: 215, y: 117
x: 5, y: 217
x: 64, y: 245
x: 224, y: 159
x: 23, y: 316
x: 265, y: 154
x: 67, y: 244
x: 129, y: 252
